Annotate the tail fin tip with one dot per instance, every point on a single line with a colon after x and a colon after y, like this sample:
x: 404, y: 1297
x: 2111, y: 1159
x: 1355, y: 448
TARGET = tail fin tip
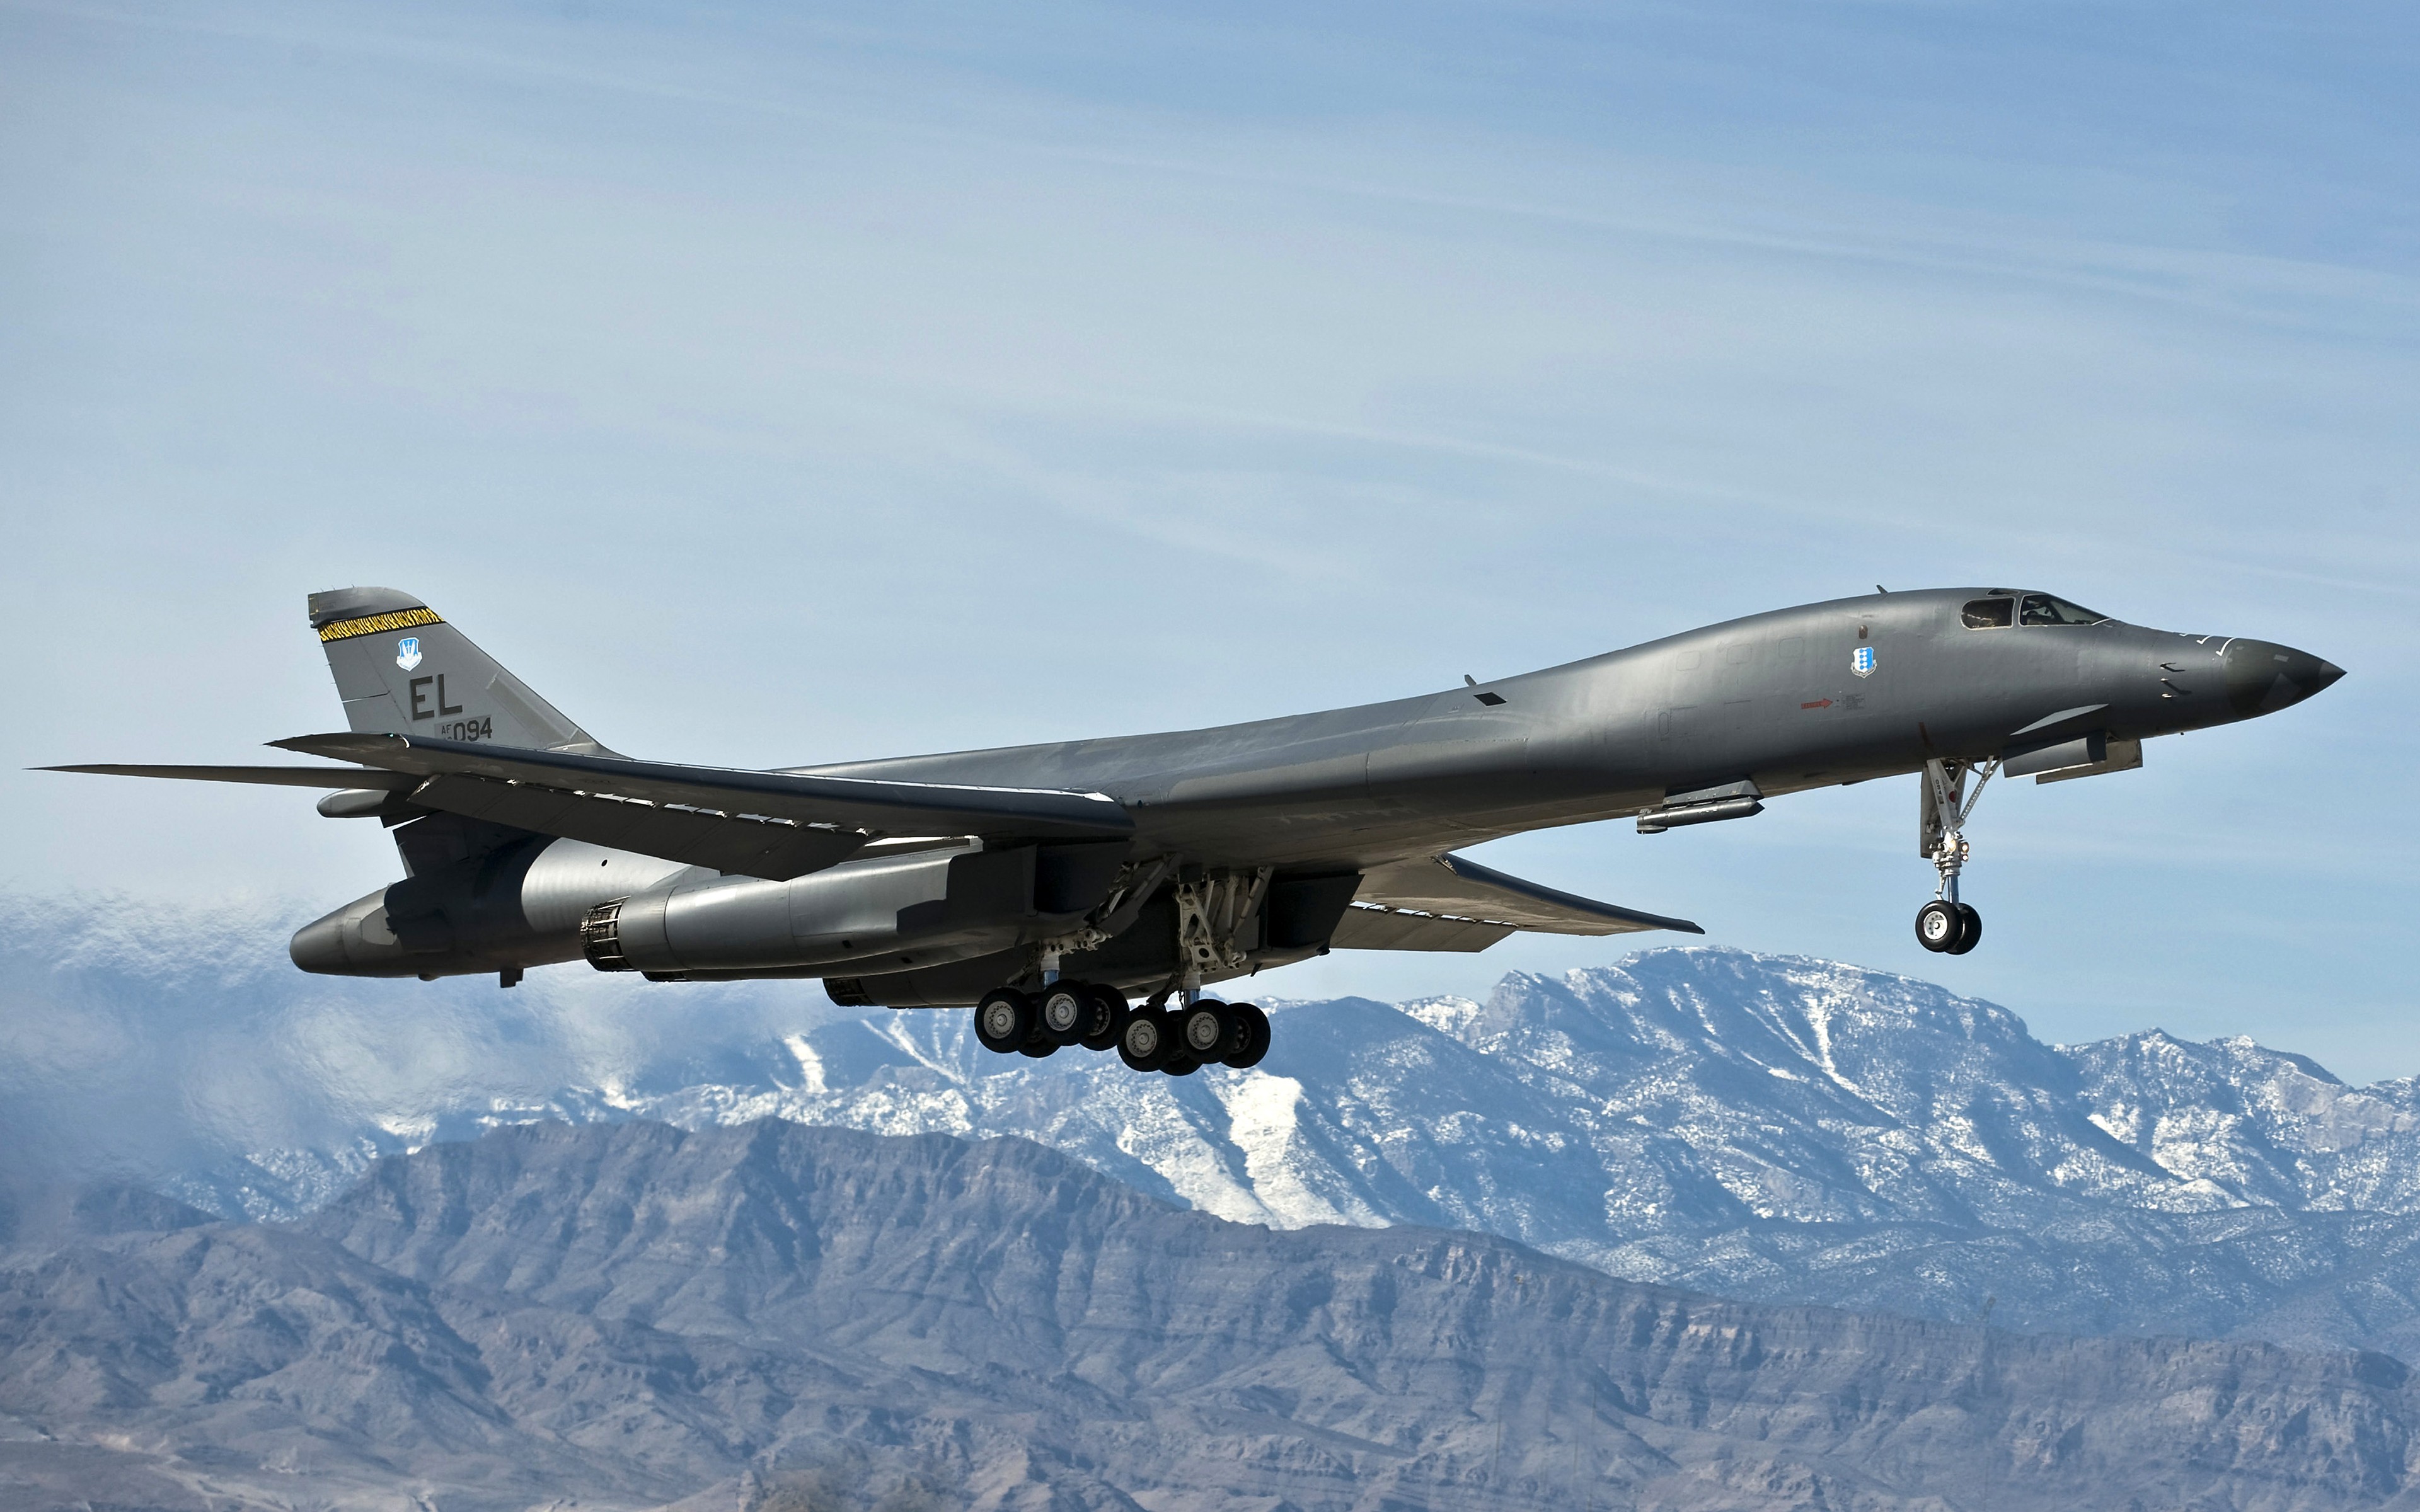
x: 337, y: 606
x: 402, y: 670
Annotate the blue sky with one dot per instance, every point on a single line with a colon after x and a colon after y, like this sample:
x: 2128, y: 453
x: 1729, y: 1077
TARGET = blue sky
x: 771, y: 387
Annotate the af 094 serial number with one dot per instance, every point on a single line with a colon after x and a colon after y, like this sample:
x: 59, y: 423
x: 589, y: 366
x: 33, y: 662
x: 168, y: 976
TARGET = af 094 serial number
x: 481, y: 727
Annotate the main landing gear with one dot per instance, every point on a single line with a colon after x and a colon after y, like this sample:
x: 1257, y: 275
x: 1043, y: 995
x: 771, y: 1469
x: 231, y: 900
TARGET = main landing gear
x: 1946, y: 925
x: 1211, y: 908
x: 1178, y: 1041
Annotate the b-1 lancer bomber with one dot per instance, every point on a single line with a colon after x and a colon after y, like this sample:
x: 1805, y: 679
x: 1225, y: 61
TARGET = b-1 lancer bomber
x: 1051, y: 886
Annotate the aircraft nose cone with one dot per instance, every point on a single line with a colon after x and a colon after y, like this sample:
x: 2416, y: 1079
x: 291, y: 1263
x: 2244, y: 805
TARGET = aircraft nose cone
x: 2263, y: 677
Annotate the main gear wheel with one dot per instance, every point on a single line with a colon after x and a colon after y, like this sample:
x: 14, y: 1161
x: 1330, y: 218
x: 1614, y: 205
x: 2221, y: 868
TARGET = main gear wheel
x: 1004, y: 1020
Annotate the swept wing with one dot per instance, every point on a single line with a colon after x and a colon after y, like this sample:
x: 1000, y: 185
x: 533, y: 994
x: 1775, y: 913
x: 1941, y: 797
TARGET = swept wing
x: 281, y: 776
x: 770, y: 825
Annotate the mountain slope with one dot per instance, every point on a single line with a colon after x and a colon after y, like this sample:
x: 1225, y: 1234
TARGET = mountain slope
x: 1770, y: 1127
x: 621, y: 1314
x: 1773, y: 1128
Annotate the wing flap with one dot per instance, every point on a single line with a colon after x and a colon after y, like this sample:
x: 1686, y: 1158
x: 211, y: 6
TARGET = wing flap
x: 1453, y: 888
x: 774, y: 849
x: 1367, y: 928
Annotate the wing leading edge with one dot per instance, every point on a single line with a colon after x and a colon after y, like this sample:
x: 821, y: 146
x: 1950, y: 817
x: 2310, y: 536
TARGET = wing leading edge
x: 772, y: 825
x: 279, y: 777
x: 1449, y: 903
x: 845, y: 802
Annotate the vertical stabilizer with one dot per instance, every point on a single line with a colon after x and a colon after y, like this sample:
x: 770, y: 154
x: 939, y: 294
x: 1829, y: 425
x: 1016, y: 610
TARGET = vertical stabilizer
x: 402, y: 670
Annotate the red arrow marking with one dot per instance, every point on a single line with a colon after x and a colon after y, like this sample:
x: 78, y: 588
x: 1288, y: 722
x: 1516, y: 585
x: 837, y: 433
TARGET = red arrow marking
x: 1819, y: 703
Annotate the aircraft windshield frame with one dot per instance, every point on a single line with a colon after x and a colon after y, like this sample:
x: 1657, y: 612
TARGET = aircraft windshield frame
x: 2049, y: 608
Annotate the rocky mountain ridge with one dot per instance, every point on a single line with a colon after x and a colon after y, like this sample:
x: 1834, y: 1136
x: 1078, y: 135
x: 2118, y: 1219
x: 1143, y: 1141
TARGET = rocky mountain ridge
x: 1777, y: 1129
x: 629, y: 1315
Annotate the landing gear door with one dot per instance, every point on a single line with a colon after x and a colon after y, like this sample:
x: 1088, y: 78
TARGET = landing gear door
x: 1941, y: 794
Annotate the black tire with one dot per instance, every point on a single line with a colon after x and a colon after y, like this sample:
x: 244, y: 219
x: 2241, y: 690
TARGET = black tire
x: 1182, y: 1065
x: 1972, y: 934
x: 1064, y: 1012
x: 1039, y: 1046
x: 1255, y: 1025
x: 1938, y: 926
x: 1207, y: 1030
x: 1145, y: 1039
x: 1109, y: 1013
x: 1004, y: 1020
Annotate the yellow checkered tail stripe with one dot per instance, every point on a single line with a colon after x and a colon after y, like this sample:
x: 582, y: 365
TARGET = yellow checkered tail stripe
x: 347, y: 629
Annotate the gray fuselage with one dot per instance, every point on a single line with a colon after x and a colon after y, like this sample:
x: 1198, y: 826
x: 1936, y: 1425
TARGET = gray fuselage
x: 1773, y: 699
x: 1330, y: 829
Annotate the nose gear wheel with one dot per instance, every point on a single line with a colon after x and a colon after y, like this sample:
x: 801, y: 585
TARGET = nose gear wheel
x: 1974, y: 935
x: 1939, y: 926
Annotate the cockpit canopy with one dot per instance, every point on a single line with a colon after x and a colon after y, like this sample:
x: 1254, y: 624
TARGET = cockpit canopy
x: 2007, y: 607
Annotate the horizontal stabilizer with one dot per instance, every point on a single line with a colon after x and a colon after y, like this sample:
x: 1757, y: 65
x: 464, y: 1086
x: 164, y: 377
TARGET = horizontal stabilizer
x: 1447, y: 902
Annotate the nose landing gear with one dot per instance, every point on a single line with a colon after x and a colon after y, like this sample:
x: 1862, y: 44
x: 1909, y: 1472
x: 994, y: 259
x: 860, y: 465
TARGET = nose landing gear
x: 1946, y: 925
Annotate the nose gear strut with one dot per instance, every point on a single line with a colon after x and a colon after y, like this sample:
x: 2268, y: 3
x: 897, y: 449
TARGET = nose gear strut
x: 1947, y: 925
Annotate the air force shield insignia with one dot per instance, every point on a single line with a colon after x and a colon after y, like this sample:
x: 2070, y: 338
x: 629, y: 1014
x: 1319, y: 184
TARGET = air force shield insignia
x: 1861, y: 661
x: 406, y: 653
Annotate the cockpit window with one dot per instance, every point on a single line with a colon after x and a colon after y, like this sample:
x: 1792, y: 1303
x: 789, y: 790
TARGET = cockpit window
x: 1989, y: 613
x: 2042, y: 608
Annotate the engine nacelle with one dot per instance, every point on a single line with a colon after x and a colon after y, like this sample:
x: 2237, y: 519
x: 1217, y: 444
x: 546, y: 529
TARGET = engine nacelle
x: 537, y: 902
x: 884, y: 913
x: 517, y: 905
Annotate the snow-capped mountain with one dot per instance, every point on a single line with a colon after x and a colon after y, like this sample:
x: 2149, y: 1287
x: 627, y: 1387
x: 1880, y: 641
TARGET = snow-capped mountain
x: 1777, y: 1129
x: 633, y: 1316
x: 1782, y: 1128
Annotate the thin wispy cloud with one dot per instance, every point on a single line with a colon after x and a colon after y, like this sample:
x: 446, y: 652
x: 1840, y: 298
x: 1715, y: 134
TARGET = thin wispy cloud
x: 771, y: 387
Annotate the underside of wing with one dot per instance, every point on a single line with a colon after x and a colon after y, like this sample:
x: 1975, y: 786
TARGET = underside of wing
x: 1447, y: 902
x: 1375, y: 927
x: 746, y: 844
